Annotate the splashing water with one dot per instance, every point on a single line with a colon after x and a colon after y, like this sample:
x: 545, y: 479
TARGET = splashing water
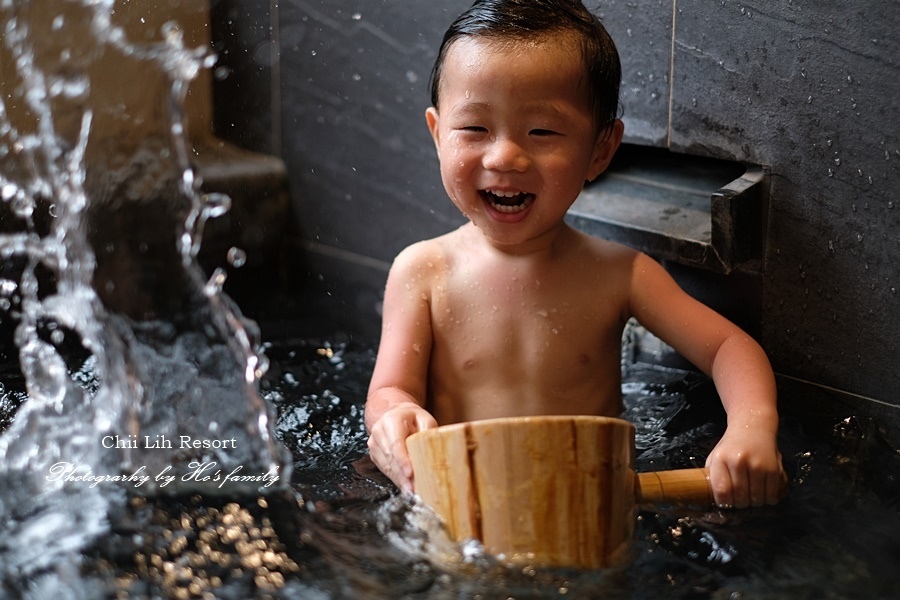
x: 100, y: 225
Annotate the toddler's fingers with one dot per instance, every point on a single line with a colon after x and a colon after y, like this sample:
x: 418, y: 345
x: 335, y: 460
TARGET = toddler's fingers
x: 720, y: 481
x: 759, y: 488
x: 740, y: 486
x: 768, y: 485
x: 425, y: 421
x: 400, y: 457
x: 388, y: 451
x: 379, y: 456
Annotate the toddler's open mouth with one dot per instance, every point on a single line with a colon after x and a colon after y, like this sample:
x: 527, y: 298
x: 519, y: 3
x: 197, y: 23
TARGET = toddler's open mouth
x: 507, y: 202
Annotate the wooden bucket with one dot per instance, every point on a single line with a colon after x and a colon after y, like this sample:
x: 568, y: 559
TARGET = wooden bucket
x: 550, y: 491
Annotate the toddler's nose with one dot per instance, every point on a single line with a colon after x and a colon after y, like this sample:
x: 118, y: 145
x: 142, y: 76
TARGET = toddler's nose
x: 504, y: 154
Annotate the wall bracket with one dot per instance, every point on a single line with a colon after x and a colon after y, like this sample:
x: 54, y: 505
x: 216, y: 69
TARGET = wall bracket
x: 690, y: 210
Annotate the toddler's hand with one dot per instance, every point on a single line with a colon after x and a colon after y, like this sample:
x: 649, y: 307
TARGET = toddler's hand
x: 387, y: 442
x: 745, y: 470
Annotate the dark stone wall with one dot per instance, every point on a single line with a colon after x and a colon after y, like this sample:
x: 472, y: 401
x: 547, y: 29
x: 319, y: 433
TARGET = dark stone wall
x: 809, y: 89
x: 245, y: 76
x: 806, y: 88
x: 354, y: 92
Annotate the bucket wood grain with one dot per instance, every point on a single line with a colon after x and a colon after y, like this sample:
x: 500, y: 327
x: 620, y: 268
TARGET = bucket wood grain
x: 555, y: 491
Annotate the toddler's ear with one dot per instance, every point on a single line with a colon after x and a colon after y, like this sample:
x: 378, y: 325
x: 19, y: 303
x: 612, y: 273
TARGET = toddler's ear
x: 607, y: 144
x: 433, y: 120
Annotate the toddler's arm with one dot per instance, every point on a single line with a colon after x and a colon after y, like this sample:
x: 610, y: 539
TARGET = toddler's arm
x: 745, y: 467
x: 395, y: 403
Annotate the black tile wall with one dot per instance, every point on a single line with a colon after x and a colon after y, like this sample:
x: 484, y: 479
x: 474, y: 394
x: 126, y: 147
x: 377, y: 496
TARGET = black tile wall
x: 806, y: 88
x: 810, y: 90
x: 643, y: 33
x: 354, y: 92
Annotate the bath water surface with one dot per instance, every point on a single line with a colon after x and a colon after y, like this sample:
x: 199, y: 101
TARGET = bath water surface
x: 108, y: 317
x: 342, y: 531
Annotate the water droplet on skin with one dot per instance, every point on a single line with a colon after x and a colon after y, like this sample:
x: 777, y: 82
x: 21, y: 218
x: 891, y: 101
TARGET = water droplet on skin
x: 809, y: 100
x: 356, y: 16
x: 837, y: 161
x: 829, y: 143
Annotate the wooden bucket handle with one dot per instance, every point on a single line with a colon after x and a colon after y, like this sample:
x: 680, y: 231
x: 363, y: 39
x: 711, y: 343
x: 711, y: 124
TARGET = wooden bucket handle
x: 680, y: 486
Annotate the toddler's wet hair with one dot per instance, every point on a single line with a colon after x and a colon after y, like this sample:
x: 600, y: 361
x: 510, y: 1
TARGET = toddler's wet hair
x: 529, y: 19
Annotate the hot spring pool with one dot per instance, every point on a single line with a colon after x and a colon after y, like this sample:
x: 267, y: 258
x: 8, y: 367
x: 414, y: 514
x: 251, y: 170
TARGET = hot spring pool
x: 337, y: 529
x: 342, y: 532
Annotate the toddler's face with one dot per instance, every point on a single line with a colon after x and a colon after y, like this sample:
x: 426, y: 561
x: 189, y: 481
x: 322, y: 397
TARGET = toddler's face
x: 515, y: 135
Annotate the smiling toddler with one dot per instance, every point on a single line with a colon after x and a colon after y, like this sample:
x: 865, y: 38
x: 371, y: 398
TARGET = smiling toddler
x: 516, y: 313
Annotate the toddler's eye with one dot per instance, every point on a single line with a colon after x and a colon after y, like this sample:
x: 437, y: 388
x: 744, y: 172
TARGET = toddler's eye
x: 474, y: 129
x: 543, y: 132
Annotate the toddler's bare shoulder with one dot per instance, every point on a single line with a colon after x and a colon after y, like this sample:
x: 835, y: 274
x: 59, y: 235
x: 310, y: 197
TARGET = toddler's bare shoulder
x: 421, y: 258
x: 611, y: 253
